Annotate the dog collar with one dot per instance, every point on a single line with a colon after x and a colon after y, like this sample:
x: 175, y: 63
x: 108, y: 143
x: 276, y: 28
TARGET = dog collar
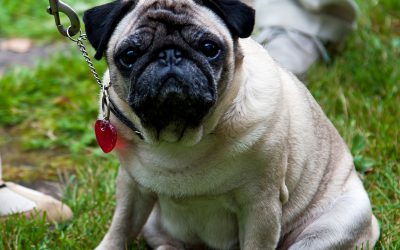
x: 106, y: 133
x: 123, y: 118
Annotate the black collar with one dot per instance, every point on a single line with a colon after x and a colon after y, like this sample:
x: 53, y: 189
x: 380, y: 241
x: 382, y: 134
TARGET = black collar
x: 123, y: 118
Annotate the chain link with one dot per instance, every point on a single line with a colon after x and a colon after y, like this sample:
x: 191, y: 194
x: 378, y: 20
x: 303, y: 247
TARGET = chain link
x: 79, y: 42
x: 105, y: 95
x: 104, y: 88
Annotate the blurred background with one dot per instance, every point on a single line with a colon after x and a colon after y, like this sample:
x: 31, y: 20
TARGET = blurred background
x: 48, y: 106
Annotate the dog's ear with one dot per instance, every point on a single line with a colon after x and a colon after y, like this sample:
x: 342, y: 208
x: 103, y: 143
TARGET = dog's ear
x: 238, y: 16
x: 101, y: 21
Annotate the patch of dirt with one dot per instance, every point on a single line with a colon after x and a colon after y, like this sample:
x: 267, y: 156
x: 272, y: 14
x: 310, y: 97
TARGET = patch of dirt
x: 43, y: 170
x: 24, y: 53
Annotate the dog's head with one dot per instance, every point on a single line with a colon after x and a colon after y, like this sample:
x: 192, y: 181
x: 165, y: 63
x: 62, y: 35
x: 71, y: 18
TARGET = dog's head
x: 170, y: 60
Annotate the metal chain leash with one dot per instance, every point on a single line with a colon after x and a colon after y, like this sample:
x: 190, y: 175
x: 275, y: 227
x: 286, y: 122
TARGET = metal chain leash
x: 54, y: 9
x: 104, y: 88
x: 81, y: 46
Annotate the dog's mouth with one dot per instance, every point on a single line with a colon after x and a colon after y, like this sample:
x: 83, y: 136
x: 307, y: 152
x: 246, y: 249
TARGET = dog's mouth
x: 173, y: 100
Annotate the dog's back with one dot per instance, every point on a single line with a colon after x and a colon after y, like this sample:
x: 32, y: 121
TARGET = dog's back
x: 325, y: 198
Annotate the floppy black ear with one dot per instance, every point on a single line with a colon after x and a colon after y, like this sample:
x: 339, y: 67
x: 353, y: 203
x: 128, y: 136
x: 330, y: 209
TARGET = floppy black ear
x: 239, y: 17
x: 101, y: 21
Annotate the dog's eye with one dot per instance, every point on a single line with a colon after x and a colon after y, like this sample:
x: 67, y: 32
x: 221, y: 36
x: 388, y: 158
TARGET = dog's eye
x: 210, y: 49
x: 128, y: 58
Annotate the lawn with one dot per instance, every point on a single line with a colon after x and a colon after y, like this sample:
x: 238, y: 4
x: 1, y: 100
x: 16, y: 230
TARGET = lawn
x: 47, y: 114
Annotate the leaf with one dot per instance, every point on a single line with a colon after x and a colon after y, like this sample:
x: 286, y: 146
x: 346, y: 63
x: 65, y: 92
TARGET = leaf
x: 363, y: 164
x: 358, y: 144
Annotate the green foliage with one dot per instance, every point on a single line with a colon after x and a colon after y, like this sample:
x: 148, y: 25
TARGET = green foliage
x: 363, y: 164
x: 29, y: 18
x: 360, y: 94
x: 57, y: 99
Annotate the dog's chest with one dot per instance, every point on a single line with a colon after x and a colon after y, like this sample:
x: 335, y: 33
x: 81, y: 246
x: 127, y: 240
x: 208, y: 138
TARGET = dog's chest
x: 201, y: 170
x: 194, y: 221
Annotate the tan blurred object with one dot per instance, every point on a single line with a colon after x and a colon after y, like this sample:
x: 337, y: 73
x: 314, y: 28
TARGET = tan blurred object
x: 55, y: 210
x: 17, y: 45
x: 328, y: 20
x: 249, y: 2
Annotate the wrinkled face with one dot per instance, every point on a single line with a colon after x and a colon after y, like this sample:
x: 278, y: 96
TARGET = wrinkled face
x: 169, y: 60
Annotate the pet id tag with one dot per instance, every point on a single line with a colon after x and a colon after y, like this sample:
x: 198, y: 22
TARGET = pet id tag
x: 106, y: 135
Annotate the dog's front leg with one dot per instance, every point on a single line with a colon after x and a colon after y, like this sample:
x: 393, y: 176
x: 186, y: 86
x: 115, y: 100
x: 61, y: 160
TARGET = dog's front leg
x: 133, y: 208
x: 259, y: 220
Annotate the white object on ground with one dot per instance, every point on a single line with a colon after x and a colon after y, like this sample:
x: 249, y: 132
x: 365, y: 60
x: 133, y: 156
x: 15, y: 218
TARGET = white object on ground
x: 294, y: 50
x: 11, y: 202
x: 16, y: 199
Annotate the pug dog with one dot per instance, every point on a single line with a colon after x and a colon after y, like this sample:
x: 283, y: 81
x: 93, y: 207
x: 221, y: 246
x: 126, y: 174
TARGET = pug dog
x: 220, y: 148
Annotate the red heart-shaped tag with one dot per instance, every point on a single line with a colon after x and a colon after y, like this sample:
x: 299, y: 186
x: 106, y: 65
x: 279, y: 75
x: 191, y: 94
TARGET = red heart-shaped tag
x: 106, y: 135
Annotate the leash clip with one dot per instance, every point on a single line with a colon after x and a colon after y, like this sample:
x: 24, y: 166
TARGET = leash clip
x: 55, y: 8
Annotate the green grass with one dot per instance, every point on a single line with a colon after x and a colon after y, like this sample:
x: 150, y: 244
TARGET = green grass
x: 29, y: 18
x: 51, y: 109
x: 63, y: 86
x: 360, y: 94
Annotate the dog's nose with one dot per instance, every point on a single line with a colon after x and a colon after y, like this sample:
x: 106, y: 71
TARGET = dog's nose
x: 170, y: 57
